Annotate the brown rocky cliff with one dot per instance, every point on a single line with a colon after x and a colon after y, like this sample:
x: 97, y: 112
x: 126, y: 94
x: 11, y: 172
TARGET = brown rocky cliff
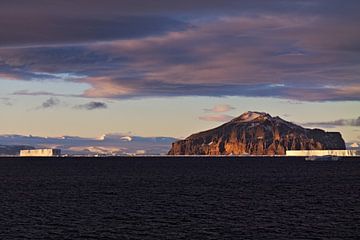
x: 257, y: 134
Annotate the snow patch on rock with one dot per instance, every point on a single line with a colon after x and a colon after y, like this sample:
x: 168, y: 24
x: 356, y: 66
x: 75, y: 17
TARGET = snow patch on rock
x: 127, y: 138
x: 250, y: 116
x: 354, y: 145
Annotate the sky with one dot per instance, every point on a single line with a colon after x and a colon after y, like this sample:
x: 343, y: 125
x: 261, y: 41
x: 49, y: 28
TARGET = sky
x: 171, y: 68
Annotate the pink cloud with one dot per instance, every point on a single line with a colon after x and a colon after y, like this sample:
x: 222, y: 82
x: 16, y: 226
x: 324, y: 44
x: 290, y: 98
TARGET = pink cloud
x: 235, y: 50
x: 105, y: 87
x: 8, y: 76
x: 262, y: 56
x: 220, y: 108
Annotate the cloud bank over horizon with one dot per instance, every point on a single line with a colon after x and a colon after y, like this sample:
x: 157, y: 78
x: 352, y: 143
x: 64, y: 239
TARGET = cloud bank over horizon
x: 340, y: 122
x: 298, y: 50
x: 119, y: 144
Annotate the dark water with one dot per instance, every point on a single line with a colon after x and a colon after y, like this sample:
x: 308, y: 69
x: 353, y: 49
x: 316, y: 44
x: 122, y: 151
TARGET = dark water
x: 134, y: 198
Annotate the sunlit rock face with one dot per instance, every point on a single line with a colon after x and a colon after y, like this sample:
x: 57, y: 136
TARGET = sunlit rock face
x: 257, y: 133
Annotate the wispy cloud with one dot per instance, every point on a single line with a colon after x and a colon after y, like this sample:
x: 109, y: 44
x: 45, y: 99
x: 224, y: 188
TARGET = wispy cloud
x: 41, y: 93
x: 6, y: 101
x: 220, y: 108
x: 340, y: 122
x: 50, y: 103
x: 92, y: 106
x: 286, y: 115
x: 216, y: 118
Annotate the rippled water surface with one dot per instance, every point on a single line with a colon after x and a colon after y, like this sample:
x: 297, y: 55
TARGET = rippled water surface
x: 178, y: 198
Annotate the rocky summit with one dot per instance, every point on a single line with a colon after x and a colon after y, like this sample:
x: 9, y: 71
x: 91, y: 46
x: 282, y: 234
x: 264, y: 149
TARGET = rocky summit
x: 257, y: 133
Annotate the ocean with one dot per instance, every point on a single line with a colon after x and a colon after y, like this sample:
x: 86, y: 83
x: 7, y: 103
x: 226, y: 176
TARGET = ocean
x: 178, y: 198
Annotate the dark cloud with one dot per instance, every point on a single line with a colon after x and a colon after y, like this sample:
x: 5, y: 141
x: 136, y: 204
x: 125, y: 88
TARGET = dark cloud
x: 11, y: 72
x: 41, y: 22
x: 340, y: 122
x: 121, y: 90
x: 92, y: 106
x: 51, y: 102
x: 300, y: 50
x: 68, y: 30
x: 115, y: 7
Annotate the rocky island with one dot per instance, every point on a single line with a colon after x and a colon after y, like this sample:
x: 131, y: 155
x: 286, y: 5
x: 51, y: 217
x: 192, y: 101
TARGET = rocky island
x: 257, y: 133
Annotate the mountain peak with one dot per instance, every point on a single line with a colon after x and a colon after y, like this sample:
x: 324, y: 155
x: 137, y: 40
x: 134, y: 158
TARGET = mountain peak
x: 251, y: 116
x: 257, y: 133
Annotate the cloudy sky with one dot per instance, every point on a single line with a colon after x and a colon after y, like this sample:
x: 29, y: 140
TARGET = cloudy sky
x: 171, y: 68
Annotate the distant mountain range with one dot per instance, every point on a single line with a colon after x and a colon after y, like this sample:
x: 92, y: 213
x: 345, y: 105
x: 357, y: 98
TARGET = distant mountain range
x: 257, y: 133
x: 251, y: 133
x: 110, y: 144
x: 9, y: 150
